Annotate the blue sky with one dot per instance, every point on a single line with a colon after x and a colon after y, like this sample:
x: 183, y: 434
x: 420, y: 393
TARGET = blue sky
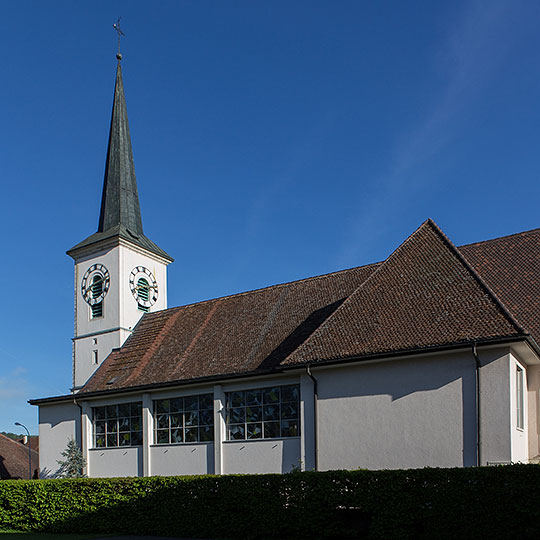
x: 272, y: 141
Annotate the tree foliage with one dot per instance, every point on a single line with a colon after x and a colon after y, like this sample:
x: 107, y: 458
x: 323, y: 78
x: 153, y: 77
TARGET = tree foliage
x: 74, y: 464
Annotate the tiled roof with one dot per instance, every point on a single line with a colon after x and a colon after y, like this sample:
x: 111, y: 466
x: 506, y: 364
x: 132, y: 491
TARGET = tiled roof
x: 425, y: 295
x: 510, y: 265
x: 247, y: 332
x: 14, y: 459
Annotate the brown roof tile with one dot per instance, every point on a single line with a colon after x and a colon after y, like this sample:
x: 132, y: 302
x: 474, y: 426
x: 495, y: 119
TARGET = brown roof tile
x: 426, y: 294
x: 510, y: 265
x: 247, y: 332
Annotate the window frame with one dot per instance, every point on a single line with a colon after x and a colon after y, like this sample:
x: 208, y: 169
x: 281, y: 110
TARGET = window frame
x: 260, y: 417
x: 170, y: 410
x: 102, y: 419
x: 520, y: 401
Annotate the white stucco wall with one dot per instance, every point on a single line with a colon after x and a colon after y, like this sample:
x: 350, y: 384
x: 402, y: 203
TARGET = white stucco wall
x: 398, y: 414
x: 182, y: 459
x: 519, y: 437
x: 262, y: 456
x: 112, y: 462
x: 57, y: 425
x: 533, y: 409
x: 120, y: 310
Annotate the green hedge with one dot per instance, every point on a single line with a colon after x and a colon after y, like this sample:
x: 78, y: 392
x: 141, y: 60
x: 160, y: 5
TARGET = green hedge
x: 492, y: 502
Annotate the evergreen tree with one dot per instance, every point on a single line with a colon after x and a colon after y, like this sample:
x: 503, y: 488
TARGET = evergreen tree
x: 73, y: 465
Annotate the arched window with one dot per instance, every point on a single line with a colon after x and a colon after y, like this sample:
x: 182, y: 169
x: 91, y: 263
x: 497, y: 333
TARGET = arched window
x: 97, y: 290
x: 143, y: 289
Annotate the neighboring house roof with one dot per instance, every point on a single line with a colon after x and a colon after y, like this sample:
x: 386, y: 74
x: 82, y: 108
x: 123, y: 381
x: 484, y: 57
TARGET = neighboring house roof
x: 426, y: 295
x: 14, y: 459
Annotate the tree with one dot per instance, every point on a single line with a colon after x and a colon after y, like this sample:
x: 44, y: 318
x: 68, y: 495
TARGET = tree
x: 73, y: 465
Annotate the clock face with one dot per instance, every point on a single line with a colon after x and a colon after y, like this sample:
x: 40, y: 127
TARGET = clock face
x: 95, y: 284
x: 143, y: 286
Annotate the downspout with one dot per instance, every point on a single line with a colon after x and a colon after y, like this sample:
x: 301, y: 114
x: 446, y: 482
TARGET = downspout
x: 315, y: 415
x: 477, y: 384
x: 80, y: 421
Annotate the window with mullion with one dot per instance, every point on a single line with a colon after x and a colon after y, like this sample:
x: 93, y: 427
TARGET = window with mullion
x: 117, y: 425
x: 187, y: 419
x: 265, y: 413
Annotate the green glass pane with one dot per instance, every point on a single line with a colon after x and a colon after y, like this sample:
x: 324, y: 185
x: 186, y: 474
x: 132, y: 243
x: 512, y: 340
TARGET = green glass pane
x: 136, y: 424
x: 206, y: 417
x: 191, y: 403
x: 123, y: 410
x: 177, y: 435
x: 290, y: 393
x: 112, y: 440
x: 236, y: 432
x: 235, y: 399
x: 191, y: 434
x: 163, y: 406
x: 176, y: 420
x: 100, y: 442
x: 253, y: 414
x: 162, y: 421
x: 191, y: 418
x: 289, y: 428
x: 271, y: 430
x: 254, y: 397
x: 136, y: 409
x: 125, y: 439
x: 136, y: 438
x: 271, y: 395
x: 111, y: 411
x: 162, y: 436
x: 254, y: 431
x: 206, y: 401
x: 236, y: 416
x: 206, y: 433
x: 289, y: 411
x: 271, y: 412
x: 177, y: 404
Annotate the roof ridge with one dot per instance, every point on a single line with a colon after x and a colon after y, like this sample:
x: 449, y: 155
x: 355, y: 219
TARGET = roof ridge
x: 505, y: 311
x: 521, y: 233
x: 428, y: 222
x: 275, y: 286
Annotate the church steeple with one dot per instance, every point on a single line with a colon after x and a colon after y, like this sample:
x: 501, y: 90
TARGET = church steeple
x: 120, y: 201
x: 120, y: 274
x: 120, y: 215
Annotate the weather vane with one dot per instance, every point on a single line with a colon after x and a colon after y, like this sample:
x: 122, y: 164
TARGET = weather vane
x: 116, y: 26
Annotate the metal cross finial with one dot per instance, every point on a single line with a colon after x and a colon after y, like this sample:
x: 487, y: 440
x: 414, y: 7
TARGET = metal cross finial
x: 116, y: 26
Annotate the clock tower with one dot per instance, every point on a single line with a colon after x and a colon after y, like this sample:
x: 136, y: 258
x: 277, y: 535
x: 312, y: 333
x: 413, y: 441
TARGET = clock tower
x: 120, y: 274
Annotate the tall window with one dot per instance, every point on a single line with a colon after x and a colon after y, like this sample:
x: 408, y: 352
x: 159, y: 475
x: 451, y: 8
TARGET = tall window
x: 265, y: 413
x: 143, y: 288
x: 519, y: 398
x: 97, y: 289
x: 118, y: 425
x: 184, y: 420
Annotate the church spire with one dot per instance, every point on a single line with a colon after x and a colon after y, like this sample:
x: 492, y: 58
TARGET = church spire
x: 120, y: 201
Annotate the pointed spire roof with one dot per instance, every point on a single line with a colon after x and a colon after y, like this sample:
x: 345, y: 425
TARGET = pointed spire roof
x: 120, y: 214
x: 120, y: 201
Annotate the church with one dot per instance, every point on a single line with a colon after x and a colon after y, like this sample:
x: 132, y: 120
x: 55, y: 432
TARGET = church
x: 429, y: 358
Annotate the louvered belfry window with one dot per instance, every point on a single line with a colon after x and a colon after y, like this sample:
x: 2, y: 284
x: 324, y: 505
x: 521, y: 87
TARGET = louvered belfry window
x: 143, y: 288
x: 97, y: 289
